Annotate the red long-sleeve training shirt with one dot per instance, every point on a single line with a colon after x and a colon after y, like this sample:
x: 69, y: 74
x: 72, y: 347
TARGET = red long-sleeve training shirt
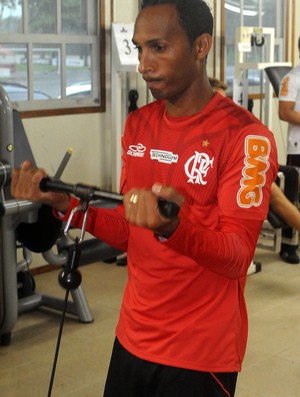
x: 184, y: 300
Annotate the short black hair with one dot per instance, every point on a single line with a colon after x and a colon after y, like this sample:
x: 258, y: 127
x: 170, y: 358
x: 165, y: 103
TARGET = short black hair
x: 194, y: 16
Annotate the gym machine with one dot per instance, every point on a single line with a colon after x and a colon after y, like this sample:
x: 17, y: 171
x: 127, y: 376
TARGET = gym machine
x: 27, y: 227
x: 255, y: 51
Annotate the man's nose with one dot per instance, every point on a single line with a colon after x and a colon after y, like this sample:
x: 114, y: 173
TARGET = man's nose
x: 144, y: 62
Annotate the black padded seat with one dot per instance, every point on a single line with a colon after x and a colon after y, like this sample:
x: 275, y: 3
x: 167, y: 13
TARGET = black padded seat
x: 275, y: 75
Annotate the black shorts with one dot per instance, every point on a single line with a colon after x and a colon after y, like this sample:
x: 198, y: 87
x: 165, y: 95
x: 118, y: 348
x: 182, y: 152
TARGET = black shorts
x: 129, y: 376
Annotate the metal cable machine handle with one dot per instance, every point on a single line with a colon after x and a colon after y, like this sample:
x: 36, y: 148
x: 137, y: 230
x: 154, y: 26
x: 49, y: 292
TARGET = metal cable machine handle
x: 87, y: 193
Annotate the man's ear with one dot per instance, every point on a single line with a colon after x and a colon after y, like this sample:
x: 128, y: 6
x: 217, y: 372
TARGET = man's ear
x: 203, y: 45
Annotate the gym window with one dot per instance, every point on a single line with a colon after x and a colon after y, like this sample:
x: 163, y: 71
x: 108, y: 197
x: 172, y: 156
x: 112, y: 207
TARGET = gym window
x: 253, y: 13
x: 52, y: 55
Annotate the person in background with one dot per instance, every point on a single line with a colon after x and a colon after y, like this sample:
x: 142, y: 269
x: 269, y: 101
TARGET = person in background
x: 283, y: 207
x: 182, y: 329
x: 289, y: 111
x: 218, y: 85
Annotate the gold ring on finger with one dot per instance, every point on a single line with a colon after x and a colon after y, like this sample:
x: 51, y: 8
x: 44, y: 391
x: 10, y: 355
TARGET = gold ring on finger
x: 133, y: 198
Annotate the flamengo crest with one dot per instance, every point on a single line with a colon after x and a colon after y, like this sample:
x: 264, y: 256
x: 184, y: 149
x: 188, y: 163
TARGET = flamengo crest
x: 196, y: 168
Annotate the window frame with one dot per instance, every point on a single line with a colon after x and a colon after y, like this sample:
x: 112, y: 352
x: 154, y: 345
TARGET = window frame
x: 99, y: 63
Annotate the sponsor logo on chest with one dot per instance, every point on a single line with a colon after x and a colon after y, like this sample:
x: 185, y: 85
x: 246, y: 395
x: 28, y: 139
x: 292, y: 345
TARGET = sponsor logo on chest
x: 136, y: 150
x: 163, y: 156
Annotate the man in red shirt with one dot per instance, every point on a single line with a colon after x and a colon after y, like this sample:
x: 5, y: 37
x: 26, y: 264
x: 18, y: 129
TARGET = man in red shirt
x: 182, y: 329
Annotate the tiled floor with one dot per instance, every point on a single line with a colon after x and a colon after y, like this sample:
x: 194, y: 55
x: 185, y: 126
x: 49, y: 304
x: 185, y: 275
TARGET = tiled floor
x: 271, y: 367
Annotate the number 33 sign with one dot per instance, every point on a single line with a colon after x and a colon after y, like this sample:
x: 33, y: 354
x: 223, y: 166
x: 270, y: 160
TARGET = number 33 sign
x: 122, y: 34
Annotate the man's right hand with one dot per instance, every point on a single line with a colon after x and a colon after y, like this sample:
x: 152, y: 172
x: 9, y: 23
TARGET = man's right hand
x: 25, y: 183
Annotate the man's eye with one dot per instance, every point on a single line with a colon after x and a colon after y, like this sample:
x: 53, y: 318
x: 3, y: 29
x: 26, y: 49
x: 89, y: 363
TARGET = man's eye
x: 159, y: 47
